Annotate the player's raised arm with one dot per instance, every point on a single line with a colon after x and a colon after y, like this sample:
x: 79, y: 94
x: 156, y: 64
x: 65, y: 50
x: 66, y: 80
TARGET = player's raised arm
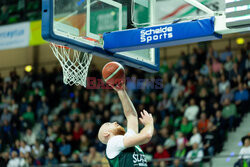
x: 145, y: 134
x: 128, y: 108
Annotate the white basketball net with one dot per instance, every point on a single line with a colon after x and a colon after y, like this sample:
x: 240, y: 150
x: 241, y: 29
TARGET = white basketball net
x: 75, y: 64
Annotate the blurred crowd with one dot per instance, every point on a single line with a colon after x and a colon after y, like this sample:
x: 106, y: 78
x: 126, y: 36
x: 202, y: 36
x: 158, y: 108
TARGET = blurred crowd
x: 195, y: 103
x: 12, y: 11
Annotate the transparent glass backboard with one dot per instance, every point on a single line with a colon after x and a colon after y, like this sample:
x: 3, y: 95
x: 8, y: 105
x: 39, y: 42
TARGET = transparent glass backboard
x: 87, y: 20
x: 91, y: 18
x: 169, y: 11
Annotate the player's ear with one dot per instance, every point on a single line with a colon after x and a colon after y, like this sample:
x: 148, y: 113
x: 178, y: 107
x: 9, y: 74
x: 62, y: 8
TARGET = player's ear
x: 106, y: 134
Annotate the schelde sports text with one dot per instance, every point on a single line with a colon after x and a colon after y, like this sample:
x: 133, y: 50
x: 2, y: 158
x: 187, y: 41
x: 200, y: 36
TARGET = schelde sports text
x: 156, y: 34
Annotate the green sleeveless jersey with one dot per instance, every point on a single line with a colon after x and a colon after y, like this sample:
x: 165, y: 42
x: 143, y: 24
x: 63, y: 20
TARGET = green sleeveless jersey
x: 130, y: 157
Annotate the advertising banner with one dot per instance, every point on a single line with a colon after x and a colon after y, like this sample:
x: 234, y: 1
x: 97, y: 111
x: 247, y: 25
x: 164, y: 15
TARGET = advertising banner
x: 14, y: 36
x: 35, y: 33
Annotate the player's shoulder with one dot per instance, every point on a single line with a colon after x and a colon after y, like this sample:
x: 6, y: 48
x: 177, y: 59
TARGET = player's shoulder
x: 116, y: 142
x: 118, y: 139
x: 114, y: 146
x: 114, y: 139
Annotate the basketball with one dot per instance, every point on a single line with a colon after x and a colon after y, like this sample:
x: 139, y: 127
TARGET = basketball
x: 113, y: 73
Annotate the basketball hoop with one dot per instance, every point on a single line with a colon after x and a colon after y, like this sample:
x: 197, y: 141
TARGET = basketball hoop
x: 75, y: 64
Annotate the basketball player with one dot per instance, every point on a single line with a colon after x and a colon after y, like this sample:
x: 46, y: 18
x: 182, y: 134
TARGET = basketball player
x: 122, y: 147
